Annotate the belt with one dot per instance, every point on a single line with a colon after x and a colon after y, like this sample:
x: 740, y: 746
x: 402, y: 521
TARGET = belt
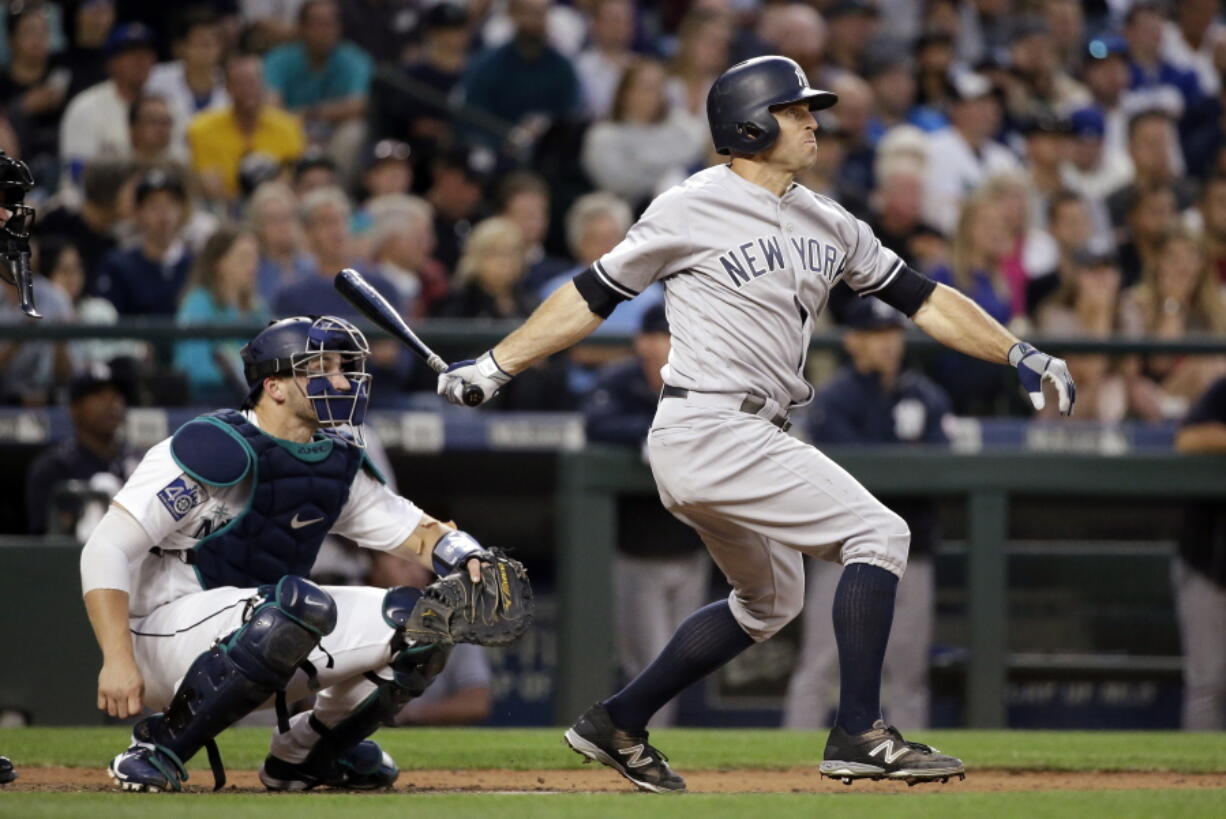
x: 751, y: 404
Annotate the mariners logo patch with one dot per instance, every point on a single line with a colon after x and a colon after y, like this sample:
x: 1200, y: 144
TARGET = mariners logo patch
x: 180, y: 496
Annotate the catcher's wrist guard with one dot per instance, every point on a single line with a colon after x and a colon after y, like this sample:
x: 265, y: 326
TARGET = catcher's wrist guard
x: 454, y: 549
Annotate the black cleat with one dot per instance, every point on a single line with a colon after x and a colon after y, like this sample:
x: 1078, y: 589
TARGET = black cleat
x: 364, y: 767
x: 596, y: 737
x: 7, y: 774
x: 882, y: 753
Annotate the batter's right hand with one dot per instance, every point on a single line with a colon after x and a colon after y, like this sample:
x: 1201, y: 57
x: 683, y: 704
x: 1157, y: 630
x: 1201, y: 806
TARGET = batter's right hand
x: 120, y: 688
x: 484, y: 373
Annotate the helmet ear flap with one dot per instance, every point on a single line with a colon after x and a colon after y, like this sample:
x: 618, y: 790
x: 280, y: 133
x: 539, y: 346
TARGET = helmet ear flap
x: 750, y: 130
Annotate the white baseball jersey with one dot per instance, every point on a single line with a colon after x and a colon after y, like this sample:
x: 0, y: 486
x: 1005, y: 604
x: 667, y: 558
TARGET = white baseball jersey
x: 177, y: 511
x: 745, y: 272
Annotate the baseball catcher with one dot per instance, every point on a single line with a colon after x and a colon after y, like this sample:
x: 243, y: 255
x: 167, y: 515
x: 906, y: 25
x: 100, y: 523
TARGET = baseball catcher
x: 16, y: 219
x: 195, y: 580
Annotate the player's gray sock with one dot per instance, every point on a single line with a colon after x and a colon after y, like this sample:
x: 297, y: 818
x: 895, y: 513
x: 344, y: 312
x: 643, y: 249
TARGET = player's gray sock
x: 863, y: 613
x: 706, y: 640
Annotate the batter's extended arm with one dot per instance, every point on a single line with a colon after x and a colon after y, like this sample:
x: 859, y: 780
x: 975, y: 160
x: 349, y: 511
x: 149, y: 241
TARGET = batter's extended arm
x: 960, y: 324
x: 562, y: 321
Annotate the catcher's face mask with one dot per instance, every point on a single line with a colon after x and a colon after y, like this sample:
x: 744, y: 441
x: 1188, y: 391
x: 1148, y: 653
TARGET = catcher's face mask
x: 331, y: 372
x: 15, y: 182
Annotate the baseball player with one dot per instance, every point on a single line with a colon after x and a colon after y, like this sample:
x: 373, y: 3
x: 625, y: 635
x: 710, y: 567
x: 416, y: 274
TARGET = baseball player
x: 747, y: 258
x: 194, y: 579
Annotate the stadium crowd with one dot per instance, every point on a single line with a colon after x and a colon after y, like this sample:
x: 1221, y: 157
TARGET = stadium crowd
x: 1059, y: 161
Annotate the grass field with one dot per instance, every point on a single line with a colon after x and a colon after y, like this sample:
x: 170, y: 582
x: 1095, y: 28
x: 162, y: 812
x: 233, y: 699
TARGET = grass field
x: 734, y: 755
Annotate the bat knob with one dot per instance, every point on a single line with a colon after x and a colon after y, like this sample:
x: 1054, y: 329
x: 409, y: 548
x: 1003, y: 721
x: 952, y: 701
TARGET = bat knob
x: 473, y: 395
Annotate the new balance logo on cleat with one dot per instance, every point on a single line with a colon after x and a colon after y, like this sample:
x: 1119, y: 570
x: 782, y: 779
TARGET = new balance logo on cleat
x: 891, y: 753
x: 636, y: 756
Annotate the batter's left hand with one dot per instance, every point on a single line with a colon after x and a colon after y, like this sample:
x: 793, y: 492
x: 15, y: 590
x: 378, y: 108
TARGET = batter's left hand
x: 1034, y: 367
x: 484, y: 372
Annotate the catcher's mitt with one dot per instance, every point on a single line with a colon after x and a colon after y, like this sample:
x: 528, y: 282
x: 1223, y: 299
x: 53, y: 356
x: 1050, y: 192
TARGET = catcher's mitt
x: 494, y: 612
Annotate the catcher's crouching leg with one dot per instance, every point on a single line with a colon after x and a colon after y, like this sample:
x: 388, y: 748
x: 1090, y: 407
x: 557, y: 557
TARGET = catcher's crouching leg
x: 343, y: 757
x: 226, y: 683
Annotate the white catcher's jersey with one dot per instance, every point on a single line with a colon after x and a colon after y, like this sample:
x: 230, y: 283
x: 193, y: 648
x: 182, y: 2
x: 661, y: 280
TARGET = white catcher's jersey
x: 177, y: 511
x: 745, y: 273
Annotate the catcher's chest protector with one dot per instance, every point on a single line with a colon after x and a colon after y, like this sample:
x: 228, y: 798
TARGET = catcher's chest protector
x: 297, y: 493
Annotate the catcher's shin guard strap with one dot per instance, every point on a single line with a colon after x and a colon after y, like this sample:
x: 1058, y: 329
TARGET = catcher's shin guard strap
x: 413, y: 669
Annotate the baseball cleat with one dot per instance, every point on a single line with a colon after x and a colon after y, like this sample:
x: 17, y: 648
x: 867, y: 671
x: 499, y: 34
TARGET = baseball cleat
x: 7, y: 774
x: 145, y: 768
x: 364, y: 767
x: 596, y: 737
x: 882, y: 753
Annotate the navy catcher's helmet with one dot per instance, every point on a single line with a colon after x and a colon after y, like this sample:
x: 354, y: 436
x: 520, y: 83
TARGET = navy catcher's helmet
x: 300, y: 346
x: 740, y: 102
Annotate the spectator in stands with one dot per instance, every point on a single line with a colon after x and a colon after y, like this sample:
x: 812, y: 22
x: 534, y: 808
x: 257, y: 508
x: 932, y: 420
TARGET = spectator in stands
x: 526, y: 82
x: 455, y: 194
x: 1035, y: 67
x: 1191, y: 41
x: 1106, y: 76
x: 1151, y: 141
x: 268, y: 23
x: 272, y: 217
x: 1151, y: 213
x: 1071, y: 230
x: 1177, y: 296
x: 388, y: 169
x: 60, y: 261
x: 1092, y: 171
x: 401, y: 245
x: 222, y: 137
x: 854, y: 111
x: 1047, y: 153
x: 489, y: 277
x: 325, y: 80
x: 96, y: 447
x: 381, y: 28
x: 313, y: 171
x: 962, y: 156
x: 148, y: 279
x: 32, y: 371
x: 852, y: 24
x: 33, y: 89
x: 525, y: 200
x: 1198, y: 574
x: 107, y: 187
x: 1149, y: 73
x: 1066, y: 26
x: 151, y: 127
x: 1030, y: 251
x: 1212, y: 207
x: 460, y: 694
x: 934, y: 62
x: 702, y: 55
x: 891, y: 77
x: 601, y: 64
x: 874, y: 400
x: 1086, y: 305
x: 647, y: 144
x: 796, y: 31
x: 194, y: 81
x: 897, y: 200
x: 222, y: 290
x: 85, y: 56
x: 95, y: 123
x: 660, y: 569
x: 325, y: 214
x: 982, y: 243
x: 417, y: 110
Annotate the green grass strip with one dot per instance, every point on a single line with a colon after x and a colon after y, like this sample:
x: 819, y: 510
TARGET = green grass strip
x: 947, y: 805
x: 690, y: 749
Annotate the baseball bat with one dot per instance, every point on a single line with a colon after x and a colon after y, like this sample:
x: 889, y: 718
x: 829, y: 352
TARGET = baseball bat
x: 370, y: 303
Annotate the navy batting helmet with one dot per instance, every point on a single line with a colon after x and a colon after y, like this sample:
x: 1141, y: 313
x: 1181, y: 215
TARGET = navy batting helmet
x: 740, y: 102
x: 297, y: 346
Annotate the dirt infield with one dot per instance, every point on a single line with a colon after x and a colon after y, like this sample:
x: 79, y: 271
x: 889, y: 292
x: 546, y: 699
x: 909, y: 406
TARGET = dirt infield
x: 597, y: 780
